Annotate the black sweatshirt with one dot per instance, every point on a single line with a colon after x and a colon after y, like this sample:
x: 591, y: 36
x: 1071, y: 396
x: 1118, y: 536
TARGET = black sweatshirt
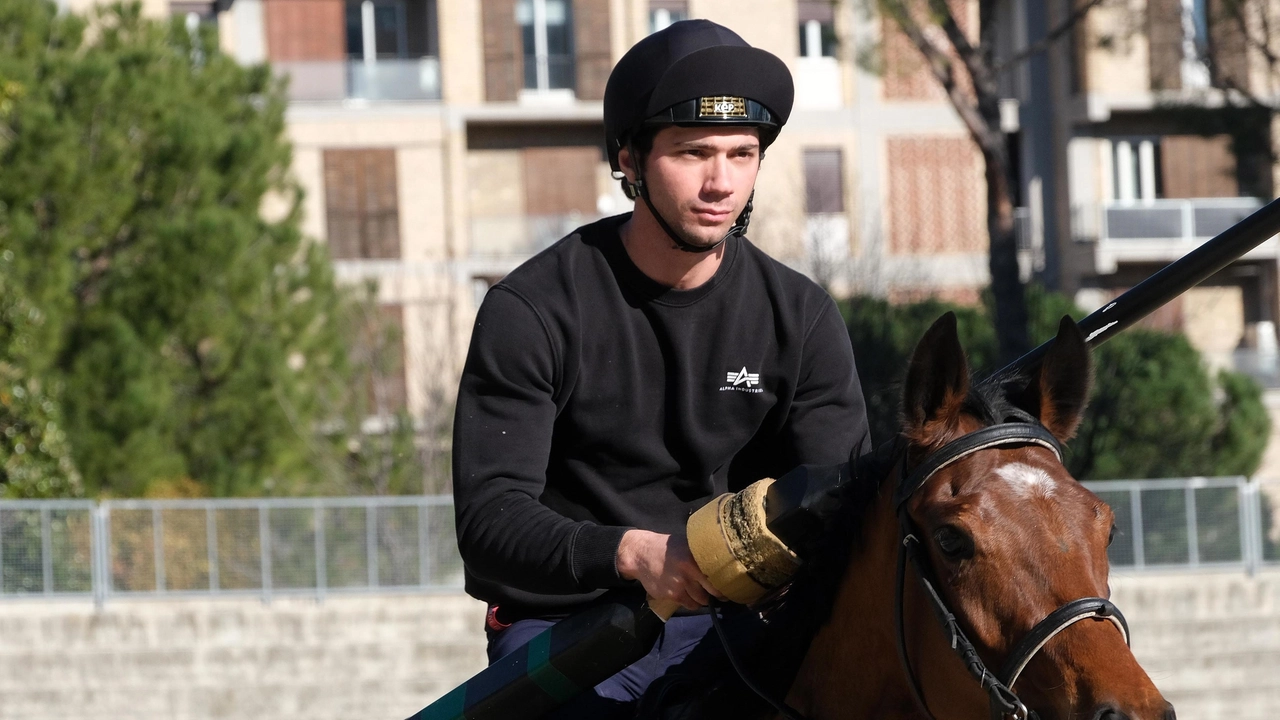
x: 595, y: 400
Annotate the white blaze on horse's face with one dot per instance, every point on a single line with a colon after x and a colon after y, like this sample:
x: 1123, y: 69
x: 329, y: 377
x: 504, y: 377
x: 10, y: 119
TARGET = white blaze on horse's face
x: 1027, y: 479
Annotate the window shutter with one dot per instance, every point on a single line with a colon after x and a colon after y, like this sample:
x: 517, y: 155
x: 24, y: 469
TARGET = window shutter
x: 361, y: 204
x: 823, y: 181
x: 503, y: 62
x: 1198, y: 167
x: 560, y: 180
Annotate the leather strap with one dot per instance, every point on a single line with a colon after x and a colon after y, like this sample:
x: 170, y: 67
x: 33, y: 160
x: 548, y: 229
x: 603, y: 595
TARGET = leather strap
x: 1057, y: 621
x: 1020, y: 433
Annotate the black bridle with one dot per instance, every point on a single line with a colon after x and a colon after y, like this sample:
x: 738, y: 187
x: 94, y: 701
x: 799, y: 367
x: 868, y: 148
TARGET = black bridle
x: 999, y: 687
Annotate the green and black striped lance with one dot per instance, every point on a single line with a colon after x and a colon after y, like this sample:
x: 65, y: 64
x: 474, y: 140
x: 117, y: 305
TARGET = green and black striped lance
x: 567, y: 658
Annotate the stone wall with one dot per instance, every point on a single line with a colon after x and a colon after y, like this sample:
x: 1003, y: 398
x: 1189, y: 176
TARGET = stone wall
x: 374, y: 658
x: 1211, y: 642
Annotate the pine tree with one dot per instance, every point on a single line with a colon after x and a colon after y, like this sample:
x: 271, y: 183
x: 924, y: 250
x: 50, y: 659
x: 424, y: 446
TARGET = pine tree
x: 187, y: 334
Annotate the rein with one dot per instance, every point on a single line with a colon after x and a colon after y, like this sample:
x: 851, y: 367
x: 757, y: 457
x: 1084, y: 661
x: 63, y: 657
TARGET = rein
x: 1004, y: 702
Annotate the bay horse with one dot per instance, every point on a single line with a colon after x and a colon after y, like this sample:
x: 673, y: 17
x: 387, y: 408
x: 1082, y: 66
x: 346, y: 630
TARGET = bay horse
x: 1012, y: 547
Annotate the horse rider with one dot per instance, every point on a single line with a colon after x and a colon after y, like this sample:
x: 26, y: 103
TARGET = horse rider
x: 645, y: 364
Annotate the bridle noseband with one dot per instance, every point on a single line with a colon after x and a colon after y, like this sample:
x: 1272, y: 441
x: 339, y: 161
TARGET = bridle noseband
x: 1004, y: 702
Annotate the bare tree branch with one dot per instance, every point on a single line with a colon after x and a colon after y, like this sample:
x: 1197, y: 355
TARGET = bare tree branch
x: 943, y: 70
x: 1049, y: 39
x: 968, y: 54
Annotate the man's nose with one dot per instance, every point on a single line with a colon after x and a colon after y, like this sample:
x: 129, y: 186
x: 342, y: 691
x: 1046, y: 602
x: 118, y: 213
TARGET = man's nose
x: 719, y: 178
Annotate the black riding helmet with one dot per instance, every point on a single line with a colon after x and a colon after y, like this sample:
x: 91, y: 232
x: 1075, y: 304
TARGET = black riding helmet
x: 694, y: 72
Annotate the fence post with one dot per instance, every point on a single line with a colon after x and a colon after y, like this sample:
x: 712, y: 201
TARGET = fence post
x: 97, y: 563
x: 46, y: 550
x: 211, y: 543
x: 371, y: 544
x: 264, y: 551
x: 1250, y: 526
x: 1193, y: 539
x: 1135, y: 503
x: 108, y: 574
x: 424, y: 563
x: 157, y: 540
x: 1, y: 552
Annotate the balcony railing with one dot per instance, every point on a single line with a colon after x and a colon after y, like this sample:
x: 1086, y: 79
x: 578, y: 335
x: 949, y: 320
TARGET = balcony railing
x: 393, y: 79
x: 497, y: 236
x: 1192, y: 220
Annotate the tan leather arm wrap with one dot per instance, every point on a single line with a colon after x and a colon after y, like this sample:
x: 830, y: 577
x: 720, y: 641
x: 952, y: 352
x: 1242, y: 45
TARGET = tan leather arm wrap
x: 735, y: 549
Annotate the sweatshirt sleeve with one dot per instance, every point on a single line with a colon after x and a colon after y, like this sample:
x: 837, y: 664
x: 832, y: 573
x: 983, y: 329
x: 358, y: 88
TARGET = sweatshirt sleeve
x: 502, y: 434
x: 828, y: 419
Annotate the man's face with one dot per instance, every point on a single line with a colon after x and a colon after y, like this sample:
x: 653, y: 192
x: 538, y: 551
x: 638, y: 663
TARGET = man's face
x: 700, y: 178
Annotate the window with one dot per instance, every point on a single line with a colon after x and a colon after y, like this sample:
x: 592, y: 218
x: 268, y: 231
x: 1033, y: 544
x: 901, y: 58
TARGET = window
x: 827, y: 227
x: 392, y: 50
x: 662, y: 13
x: 546, y: 31
x: 823, y: 182
x: 391, y: 29
x: 817, y: 29
x: 1135, y: 162
x: 361, y: 204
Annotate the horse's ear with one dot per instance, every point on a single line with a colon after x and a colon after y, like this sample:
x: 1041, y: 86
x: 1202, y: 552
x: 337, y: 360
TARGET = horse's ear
x: 1059, y: 394
x: 936, y: 386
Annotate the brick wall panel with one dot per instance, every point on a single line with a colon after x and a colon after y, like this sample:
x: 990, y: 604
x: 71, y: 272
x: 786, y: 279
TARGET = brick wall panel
x: 306, y: 30
x: 1164, y: 35
x: 906, y: 76
x: 591, y: 47
x: 503, y: 58
x: 1228, y: 45
x: 937, y: 196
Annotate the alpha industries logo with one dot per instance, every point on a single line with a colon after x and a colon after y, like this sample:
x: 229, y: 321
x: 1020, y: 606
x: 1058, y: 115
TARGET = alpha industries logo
x: 742, y: 381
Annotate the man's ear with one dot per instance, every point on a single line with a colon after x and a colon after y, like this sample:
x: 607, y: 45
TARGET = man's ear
x: 626, y: 163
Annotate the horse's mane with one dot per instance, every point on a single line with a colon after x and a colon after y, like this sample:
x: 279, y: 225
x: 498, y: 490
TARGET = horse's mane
x: 812, y: 593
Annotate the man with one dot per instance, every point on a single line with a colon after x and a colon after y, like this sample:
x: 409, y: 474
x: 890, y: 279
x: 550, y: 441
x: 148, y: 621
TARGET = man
x: 645, y: 364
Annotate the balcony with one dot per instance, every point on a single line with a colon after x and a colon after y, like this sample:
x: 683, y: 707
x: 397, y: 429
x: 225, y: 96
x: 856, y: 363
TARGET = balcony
x: 1160, y: 231
x: 415, y: 79
x: 500, y: 237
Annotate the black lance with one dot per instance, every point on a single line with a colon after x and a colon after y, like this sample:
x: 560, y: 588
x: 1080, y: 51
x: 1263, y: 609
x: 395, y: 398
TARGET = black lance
x: 586, y: 648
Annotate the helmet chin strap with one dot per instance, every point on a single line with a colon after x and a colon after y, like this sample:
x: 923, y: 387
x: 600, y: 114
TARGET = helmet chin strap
x: 641, y: 189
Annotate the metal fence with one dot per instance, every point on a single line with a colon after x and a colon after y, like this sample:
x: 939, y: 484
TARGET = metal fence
x: 321, y: 546
x: 1191, y: 523
x: 125, y: 548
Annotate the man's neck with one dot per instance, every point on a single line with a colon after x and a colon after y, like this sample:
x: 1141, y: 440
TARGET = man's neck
x: 657, y: 256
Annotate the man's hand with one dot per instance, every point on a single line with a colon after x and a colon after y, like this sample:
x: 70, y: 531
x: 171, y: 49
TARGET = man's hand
x: 665, y: 567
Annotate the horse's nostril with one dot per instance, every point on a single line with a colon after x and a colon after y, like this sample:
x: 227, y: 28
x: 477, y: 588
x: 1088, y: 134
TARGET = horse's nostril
x: 1108, y: 712
x: 1169, y: 714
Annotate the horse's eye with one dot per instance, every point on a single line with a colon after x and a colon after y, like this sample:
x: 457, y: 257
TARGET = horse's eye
x: 1111, y: 537
x: 953, y: 543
